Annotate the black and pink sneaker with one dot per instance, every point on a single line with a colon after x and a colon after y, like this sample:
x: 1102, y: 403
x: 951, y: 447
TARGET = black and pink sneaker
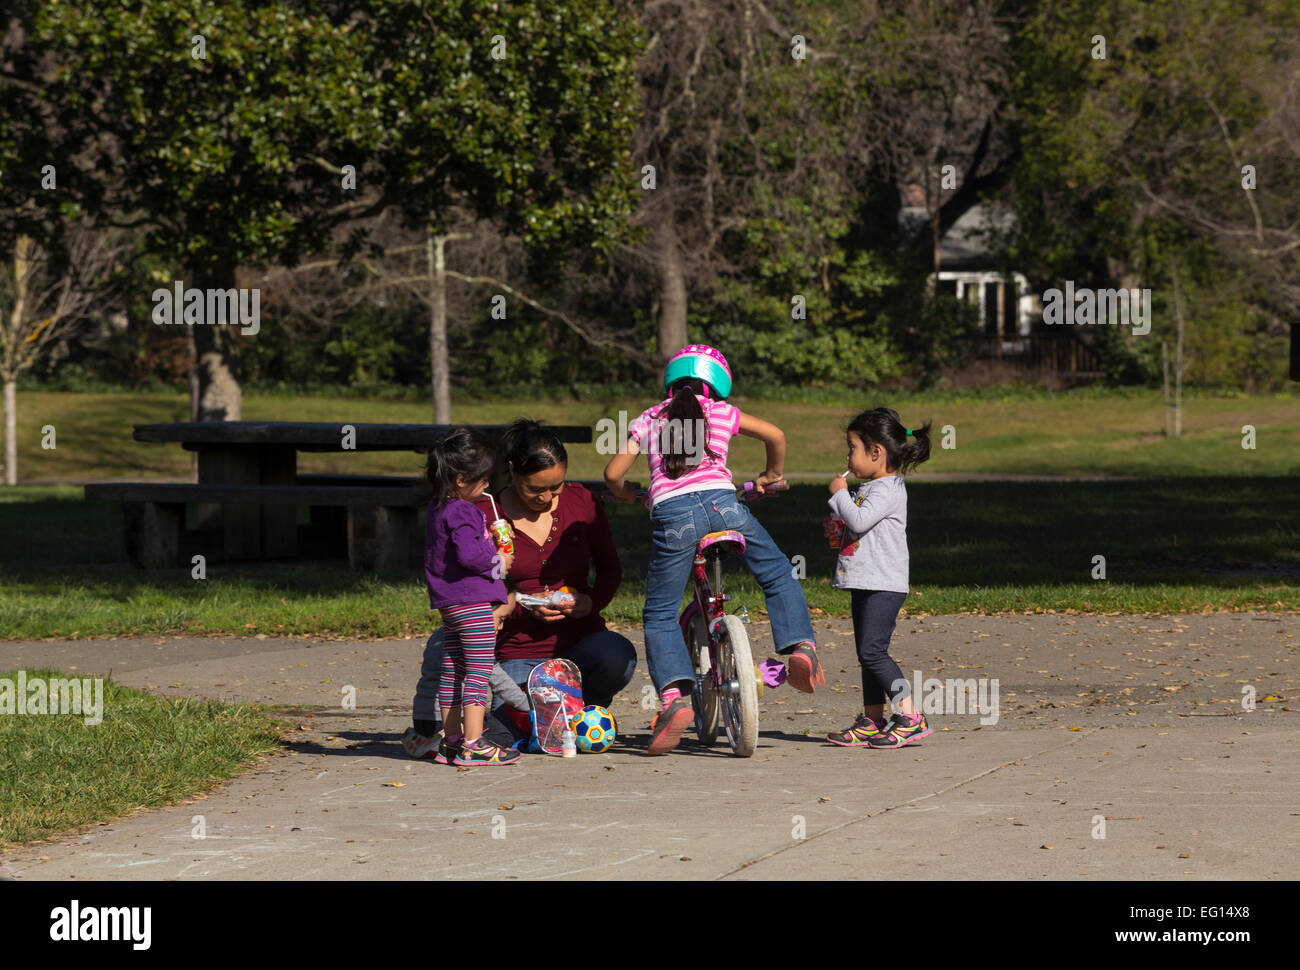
x: 447, y: 751
x: 902, y: 730
x: 860, y: 735
x: 482, y: 752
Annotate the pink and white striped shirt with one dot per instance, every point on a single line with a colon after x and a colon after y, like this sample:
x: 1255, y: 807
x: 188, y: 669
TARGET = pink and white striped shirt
x: 722, y: 421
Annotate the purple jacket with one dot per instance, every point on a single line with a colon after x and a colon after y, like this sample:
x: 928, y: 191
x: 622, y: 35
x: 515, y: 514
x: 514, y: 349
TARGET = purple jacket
x: 459, y: 556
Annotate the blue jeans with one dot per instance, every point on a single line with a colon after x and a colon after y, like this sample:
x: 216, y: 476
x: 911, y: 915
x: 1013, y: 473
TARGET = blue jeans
x: 679, y: 524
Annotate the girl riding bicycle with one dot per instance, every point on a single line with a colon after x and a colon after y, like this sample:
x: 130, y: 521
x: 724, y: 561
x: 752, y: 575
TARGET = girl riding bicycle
x: 686, y: 438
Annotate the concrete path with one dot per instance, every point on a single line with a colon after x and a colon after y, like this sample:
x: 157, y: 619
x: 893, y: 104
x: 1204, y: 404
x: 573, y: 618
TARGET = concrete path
x: 1134, y: 722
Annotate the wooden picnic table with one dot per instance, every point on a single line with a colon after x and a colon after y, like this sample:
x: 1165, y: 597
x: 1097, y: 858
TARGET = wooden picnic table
x: 249, y: 491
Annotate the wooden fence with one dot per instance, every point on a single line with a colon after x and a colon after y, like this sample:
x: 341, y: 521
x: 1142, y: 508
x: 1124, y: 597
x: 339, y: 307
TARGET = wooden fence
x: 1062, y: 353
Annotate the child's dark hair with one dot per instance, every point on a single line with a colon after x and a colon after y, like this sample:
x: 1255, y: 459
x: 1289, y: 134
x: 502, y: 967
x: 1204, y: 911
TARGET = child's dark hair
x: 530, y: 448
x: 460, y: 454
x: 882, y: 426
x: 681, y: 409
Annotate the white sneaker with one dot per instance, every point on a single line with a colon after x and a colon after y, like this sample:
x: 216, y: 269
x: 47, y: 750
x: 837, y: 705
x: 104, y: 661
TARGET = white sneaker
x: 418, y: 746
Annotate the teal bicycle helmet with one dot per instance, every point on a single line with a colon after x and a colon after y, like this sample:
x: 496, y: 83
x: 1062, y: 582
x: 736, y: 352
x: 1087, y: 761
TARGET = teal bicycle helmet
x: 701, y: 362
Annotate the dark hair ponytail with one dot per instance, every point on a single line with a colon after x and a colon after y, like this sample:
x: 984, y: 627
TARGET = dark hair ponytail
x: 530, y: 448
x: 683, y: 412
x: 882, y: 426
x: 459, y: 454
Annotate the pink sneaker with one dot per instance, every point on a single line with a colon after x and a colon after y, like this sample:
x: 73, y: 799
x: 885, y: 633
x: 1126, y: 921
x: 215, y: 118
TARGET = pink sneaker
x: 803, y: 669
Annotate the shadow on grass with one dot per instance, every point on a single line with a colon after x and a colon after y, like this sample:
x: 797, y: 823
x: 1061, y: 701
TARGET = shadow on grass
x: 1153, y: 531
x: 977, y: 534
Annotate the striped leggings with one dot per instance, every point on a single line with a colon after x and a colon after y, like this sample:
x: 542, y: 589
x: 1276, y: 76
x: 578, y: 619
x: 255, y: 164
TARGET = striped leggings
x: 470, y: 652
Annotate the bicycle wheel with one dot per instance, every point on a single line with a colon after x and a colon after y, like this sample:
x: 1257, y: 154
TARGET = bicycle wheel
x: 739, y: 700
x: 704, y: 697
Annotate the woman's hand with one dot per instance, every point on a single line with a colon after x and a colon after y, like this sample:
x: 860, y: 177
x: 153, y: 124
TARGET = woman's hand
x: 548, y: 614
x: 579, y: 608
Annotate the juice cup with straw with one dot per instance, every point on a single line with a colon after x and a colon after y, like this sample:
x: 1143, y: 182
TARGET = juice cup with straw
x: 833, y: 526
x: 501, y: 533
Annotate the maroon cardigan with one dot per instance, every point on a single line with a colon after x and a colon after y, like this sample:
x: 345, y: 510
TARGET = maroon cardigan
x: 580, y: 538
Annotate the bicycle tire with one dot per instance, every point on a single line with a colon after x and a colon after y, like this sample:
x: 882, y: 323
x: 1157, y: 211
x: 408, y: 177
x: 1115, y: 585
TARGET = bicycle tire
x: 740, y: 709
x: 704, y: 698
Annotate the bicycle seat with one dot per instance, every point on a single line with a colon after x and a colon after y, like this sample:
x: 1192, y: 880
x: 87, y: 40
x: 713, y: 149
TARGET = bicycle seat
x: 727, y: 541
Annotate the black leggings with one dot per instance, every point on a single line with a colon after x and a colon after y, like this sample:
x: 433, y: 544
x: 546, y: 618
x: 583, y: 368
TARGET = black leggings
x: 875, y: 613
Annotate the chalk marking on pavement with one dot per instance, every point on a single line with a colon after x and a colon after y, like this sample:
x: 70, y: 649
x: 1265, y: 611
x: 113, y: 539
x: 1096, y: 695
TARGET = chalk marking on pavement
x: 605, y: 826
x: 641, y: 854
x: 520, y: 865
x: 911, y: 801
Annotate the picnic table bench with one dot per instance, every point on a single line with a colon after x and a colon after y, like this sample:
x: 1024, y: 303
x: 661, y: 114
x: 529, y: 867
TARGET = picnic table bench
x: 249, y: 491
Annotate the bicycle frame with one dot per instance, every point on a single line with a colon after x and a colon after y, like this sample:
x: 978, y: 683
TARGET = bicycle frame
x: 709, y: 605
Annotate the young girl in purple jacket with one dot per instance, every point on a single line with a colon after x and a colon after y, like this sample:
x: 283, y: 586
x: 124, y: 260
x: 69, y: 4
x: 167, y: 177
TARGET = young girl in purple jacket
x: 466, y: 574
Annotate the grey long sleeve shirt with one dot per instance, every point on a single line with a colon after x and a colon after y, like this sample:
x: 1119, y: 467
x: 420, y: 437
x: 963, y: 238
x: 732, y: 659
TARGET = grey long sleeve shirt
x: 873, y: 552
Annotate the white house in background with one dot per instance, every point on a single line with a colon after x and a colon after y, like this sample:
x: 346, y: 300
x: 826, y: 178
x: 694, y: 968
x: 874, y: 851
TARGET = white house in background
x: 1010, y: 313
x: 1007, y: 307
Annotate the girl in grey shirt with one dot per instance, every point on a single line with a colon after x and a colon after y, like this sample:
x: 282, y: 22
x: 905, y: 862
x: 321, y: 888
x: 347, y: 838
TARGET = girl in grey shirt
x: 871, y: 527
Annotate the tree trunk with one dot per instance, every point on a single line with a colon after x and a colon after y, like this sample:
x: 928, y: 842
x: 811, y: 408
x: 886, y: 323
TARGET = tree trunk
x: 672, y: 287
x: 216, y: 349
x: 194, y: 395
x: 11, y: 432
x: 1178, y: 357
x: 440, y: 367
x: 1164, y: 367
x: 193, y: 349
x: 12, y: 350
x: 936, y: 253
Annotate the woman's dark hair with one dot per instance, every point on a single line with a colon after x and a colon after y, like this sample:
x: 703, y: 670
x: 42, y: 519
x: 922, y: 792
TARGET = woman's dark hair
x: 882, y: 426
x: 530, y: 448
x: 460, y: 454
x: 674, y: 440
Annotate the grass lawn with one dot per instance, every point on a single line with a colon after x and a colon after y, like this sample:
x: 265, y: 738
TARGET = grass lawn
x: 148, y: 751
x: 1067, y: 434
x: 1170, y: 545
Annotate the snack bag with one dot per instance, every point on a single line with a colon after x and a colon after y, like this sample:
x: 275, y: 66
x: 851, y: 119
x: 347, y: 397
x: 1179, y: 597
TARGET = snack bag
x: 833, y: 527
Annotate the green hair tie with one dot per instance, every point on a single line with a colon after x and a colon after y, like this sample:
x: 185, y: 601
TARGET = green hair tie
x: 909, y: 433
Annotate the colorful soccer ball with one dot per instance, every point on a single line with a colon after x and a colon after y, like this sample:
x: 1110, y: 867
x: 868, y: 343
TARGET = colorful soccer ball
x: 594, y: 728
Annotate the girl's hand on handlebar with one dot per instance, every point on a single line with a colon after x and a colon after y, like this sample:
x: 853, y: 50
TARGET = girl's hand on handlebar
x: 768, y: 478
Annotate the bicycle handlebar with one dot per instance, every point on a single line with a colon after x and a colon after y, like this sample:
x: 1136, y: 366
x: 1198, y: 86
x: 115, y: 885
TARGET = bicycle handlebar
x: 746, y: 493
x: 749, y: 491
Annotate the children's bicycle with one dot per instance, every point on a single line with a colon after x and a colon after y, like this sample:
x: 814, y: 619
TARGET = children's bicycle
x: 726, y: 685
